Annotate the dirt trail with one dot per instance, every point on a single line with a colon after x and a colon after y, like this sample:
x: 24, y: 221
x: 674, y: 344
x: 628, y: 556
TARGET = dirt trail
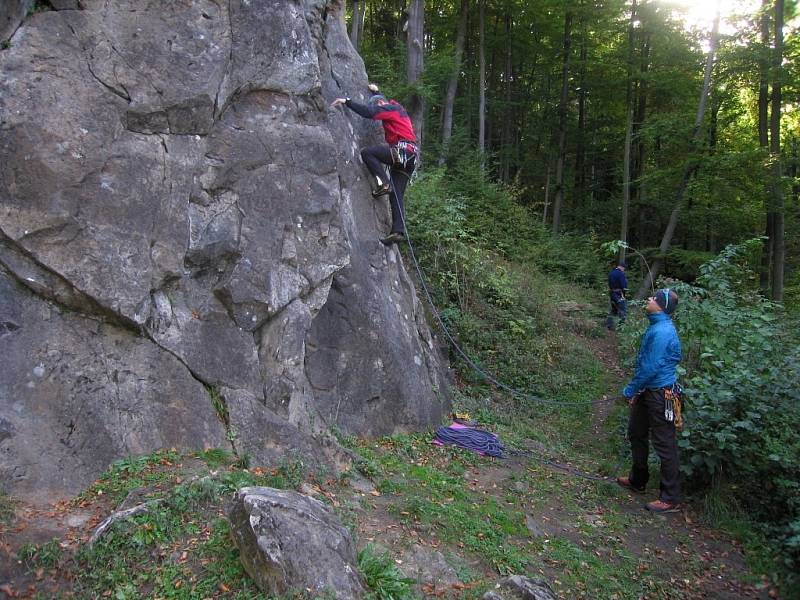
x: 659, y: 537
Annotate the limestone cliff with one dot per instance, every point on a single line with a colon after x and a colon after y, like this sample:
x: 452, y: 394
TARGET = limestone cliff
x: 189, y: 250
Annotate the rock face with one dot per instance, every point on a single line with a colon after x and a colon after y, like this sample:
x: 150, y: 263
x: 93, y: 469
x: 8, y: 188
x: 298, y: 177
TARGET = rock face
x: 288, y: 541
x: 12, y: 12
x: 188, y: 246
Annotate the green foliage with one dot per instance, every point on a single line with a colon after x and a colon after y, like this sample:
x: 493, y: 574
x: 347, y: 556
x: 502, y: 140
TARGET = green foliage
x: 219, y: 406
x: 45, y: 555
x: 7, y: 505
x: 383, y: 578
x: 115, y: 565
x: 215, y: 457
x: 292, y: 471
x: 39, y: 6
x: 465, y: 233
x: 685, y: 264
x: 130, y: 473
x: 742, y: 362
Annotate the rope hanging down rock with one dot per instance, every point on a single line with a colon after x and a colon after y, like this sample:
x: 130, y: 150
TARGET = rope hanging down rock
x: 475, y: 367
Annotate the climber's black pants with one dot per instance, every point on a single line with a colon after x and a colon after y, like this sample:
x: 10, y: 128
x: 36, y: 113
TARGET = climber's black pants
x: 375, y: 157
x: 648, y: 424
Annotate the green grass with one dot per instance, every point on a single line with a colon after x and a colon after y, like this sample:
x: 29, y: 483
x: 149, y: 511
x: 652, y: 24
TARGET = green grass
x: 215, y: 457
x: 45, y: 555
x: 132, y: 473
x: 181, y: 547
x: 383, y: 578
x: 7, y: 507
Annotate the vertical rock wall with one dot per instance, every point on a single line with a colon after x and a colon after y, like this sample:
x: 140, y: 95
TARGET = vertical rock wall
x: 183, y: 218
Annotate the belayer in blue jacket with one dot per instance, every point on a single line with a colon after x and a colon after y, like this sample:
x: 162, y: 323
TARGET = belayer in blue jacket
x: 651, y: 395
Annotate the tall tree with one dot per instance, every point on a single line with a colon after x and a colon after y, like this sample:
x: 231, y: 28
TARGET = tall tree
x: 763, y: 127
x: 357, y: 25
x: 452, y: 82
x: 580, y: 138
x: 558, y: 201
x: 506, y: 143
x: 415, y: 50
x: 626, y: 159
x: 689, y: 170
x: 777, y: 242
x: 482, y: 78
x: 763, y: 76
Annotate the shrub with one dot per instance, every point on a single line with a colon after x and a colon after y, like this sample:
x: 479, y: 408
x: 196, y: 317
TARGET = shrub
x: 384, y: 579
x: 742, y: 363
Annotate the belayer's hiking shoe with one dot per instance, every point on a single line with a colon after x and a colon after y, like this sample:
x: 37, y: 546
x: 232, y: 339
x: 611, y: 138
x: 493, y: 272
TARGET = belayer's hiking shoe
x: 393, y: 238
x: 626, y: 483
x: 381, y: 190
x: 659, y: 506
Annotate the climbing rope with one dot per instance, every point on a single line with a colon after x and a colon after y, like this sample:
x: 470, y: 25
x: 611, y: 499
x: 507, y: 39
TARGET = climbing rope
x: 470, y: 438
x: 475, y: 367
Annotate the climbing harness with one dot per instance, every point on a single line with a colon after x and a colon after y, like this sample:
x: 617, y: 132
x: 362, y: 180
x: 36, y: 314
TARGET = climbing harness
x: 403, y: 154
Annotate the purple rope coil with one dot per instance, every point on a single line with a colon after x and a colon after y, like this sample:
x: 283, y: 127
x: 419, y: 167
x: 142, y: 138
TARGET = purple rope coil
x: 477, y: 440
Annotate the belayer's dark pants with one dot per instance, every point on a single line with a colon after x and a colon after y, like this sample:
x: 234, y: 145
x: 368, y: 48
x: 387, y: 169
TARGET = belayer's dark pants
x: 375, y: 157
x: 619, y: 308
x: 647, y: 421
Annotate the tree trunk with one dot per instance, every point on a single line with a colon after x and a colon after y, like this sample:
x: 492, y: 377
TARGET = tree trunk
x: 452, y: 83
x: 691, y: 167
x: 638, y: 159
x: 580, y: 145
x: 793, y: 173
x: 482, y: 80
x: 505, y: 137
x: 357, y: 25
x: 492, y: 71
x: 558, y: 201
x: 716, y: 105
x: 763, y: 133
x: 763, y: 78
x: 626, y: 182
x: 626, y: 160
x: 415, y: 50
x: 777, y: 200
x: 546, y: 193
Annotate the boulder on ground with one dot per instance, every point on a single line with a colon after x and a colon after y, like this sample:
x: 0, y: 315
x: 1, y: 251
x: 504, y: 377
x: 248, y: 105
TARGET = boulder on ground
x: 519, y: 587
x: 288, y: 541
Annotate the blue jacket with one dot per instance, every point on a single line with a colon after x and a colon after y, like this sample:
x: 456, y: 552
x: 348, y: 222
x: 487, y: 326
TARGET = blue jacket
x: 617, y: 280
x: 659, y: 355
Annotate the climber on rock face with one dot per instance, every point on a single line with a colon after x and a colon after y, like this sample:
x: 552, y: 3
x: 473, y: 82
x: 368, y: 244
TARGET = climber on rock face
x: 399, y: 153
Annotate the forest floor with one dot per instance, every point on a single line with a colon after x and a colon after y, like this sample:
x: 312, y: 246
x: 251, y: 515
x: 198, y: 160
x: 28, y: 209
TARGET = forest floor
x: 452, y: 521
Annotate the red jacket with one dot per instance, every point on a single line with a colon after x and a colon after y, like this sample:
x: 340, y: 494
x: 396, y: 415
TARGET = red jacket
x: 394, y: 118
